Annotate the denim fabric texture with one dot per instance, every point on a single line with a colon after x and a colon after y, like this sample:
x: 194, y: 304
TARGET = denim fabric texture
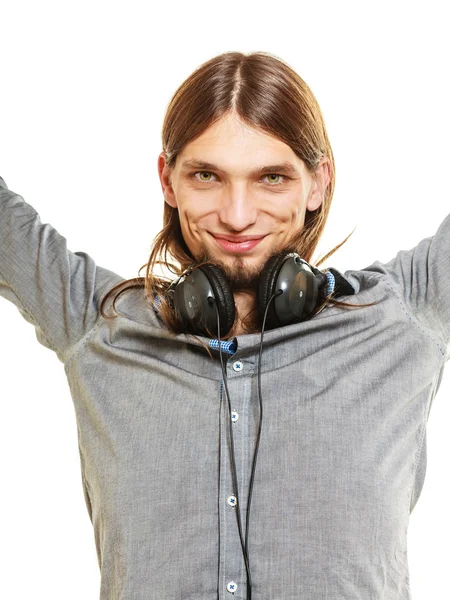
x: 342, y: 455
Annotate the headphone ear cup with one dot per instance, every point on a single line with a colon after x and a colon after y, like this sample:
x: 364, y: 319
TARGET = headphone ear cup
x: 300, y: 286
x: 191, y: 297
x: 266, y: 288
x: 224, y: 298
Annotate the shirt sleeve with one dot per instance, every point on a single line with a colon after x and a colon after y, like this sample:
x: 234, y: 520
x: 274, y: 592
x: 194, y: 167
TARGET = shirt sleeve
x: 56, y: 290
x: 422, y: 276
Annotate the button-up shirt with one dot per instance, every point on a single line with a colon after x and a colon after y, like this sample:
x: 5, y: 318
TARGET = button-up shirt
x: 341, y: 462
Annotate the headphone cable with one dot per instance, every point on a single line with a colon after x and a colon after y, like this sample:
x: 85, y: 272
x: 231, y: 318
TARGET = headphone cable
x: 244, y: 546
x: 233, y: 463
x: 277, y: 293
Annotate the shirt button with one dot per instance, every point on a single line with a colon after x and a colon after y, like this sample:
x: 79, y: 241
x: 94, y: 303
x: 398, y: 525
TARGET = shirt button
x: 238, y: 366
x: 231, y: 587
x: 234, y: 415
x: 232, y: 500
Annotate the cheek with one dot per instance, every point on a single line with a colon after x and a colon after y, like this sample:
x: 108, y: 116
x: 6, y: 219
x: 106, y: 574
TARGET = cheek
x: 198, y: 215
x: 192, y: 207
x: 286, y: 212
x: 191, y: 223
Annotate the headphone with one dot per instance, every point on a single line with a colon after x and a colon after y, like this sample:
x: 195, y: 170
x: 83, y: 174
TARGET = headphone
x: 203, y: 297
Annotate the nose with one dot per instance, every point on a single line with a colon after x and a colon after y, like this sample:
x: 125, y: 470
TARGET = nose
x: 239, y: 211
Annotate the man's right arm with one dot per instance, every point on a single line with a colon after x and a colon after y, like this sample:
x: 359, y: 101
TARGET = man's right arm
x: 54, y: 289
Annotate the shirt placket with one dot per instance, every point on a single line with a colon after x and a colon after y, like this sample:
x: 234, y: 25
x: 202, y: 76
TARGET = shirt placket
x: 232, y: 572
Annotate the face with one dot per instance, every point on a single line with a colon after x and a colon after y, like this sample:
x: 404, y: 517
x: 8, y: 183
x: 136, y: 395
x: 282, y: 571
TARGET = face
x: 231, y: 196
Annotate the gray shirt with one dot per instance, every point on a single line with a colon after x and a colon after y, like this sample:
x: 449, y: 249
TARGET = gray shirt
x: 342, y: 456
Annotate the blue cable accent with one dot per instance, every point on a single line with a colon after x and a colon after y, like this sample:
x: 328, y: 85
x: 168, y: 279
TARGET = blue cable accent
x: 229, y: 347
x: 331, y: 282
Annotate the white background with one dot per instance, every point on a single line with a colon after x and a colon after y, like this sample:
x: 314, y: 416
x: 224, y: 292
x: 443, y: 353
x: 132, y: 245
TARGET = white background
x: 83, y: 91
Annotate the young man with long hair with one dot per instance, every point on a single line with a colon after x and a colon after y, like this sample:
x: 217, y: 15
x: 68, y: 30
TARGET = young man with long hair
x: 242, y: 382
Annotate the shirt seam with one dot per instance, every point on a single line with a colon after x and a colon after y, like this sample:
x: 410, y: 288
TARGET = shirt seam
x: 34, y: 320
x: 419, y: 448
x: 435, y: 338
x: 75, y: 348
x: 83, y: 470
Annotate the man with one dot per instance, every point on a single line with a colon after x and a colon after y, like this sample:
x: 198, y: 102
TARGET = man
x: 335, y: 407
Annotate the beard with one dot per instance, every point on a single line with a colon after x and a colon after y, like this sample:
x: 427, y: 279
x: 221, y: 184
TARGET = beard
x: 243, y: 279
x: 241, y: 276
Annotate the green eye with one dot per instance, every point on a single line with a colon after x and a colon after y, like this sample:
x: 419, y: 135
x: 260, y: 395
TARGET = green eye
x: 272, y: 182
x: 273, y: 175
x: 203, y: 173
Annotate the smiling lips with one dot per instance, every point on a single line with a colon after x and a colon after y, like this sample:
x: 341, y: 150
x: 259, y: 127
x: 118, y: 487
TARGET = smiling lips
x: 237, y: 243
x: 238, y: 238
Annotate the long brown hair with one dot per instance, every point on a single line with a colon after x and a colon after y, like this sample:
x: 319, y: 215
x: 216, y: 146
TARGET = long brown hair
x: 266, y: 93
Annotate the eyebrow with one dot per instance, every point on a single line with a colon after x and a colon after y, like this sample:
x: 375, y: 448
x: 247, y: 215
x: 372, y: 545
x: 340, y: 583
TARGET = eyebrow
x: 285, y: 167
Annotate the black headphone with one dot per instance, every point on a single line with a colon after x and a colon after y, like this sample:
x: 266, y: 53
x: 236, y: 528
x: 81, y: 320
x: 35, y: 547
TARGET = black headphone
x: 204, y: 300
x: 302, y: 285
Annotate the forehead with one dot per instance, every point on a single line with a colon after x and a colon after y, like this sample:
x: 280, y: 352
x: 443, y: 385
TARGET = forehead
x: 229, y: 144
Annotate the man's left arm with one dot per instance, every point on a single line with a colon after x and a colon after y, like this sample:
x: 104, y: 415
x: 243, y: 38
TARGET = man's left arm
x: 423, y: 274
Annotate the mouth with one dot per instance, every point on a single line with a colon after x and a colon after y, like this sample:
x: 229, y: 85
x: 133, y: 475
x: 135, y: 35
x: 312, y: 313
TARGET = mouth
x: 243, y: 246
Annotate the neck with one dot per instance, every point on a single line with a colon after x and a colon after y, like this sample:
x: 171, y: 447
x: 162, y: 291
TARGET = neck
x: 247, y: 314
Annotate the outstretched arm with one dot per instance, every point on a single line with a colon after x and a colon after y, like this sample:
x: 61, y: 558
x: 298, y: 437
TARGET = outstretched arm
x: 53, y: 288
x: 422, y: 276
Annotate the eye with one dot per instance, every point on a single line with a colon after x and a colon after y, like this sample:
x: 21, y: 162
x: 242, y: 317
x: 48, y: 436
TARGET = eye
x: 276, y: 175
x: 202, y: 173
x: 272, y: 184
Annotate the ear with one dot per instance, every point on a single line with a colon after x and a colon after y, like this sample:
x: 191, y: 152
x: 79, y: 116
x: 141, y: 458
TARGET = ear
x: 321, y: 179
x: 165, y: 174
